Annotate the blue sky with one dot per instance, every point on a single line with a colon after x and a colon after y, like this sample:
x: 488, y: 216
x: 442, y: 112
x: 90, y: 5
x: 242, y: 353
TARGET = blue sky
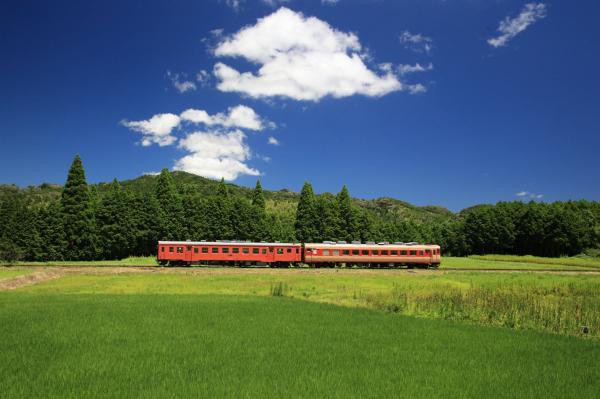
x: 452, y: 103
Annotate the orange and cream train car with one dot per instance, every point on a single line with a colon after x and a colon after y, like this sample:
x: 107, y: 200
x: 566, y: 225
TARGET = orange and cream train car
x: 372, y: 255
x: 277, y: 254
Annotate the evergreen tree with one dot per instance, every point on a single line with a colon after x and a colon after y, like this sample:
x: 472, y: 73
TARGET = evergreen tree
x: 329, y: 221
x: 307, y: 217
x: 170, y: 214
x: 349, y: 225
x: 52, y: 234
x: 78, y: 215
x: 259, y: 215
x: 114, y: 221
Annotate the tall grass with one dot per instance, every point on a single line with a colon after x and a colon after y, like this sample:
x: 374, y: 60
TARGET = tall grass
x: 561, y: 309
x: 528, y: 259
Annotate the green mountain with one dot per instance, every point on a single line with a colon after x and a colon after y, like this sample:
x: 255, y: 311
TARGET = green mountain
x: 280, y: 201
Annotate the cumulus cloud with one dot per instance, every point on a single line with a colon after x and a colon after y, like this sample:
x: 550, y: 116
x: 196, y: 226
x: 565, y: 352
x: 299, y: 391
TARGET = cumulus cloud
x: 239, y: 116
x: 273, y: 141
x: 404, y: 69
x: 216, y: 155
x: 301, y: 58
x: 220, y: 151
x: 180, y: 83
x: 416, y: 42
x: 511, y: 27
x: 156, y: 130
x: 527, y: 194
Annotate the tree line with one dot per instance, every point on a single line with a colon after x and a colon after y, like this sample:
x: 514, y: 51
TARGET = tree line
x: 85, y: 225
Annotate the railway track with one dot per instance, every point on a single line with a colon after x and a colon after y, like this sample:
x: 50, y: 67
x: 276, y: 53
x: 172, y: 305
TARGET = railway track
x: 139, y: 268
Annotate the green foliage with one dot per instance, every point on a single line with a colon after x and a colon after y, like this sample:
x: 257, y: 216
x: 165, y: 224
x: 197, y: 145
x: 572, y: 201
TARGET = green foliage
x: 116, y: 220
x: 78, y: 215
x: 307, y: 217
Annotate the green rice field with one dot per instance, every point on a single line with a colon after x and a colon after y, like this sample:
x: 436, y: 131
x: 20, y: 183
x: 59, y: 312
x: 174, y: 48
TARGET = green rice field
x: 251, y: 332
x: 149, y: 345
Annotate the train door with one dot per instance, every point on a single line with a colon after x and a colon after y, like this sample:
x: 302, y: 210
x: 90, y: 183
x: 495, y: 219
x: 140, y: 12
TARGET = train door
x: 187, y: 255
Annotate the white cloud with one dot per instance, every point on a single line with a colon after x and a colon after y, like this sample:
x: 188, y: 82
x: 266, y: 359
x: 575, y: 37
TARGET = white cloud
x: 531, y: 196
x: 511, y: 27
x: 178, y: 81
x: 239, y: 116
x: 416, y: 88
x: 216, y: 155
x: 273, y: 141
x: 219, y: 152
x: 156, y: 130
x: 203, y: 77
x: 235, y: 5
x: 275, y: 3
x: 329, y: 2
x: 404, y: 69
x: 416, y: 42
x: 300, y: 57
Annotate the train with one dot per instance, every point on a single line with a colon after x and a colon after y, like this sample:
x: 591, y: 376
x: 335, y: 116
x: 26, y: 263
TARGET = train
x: 280, y: 254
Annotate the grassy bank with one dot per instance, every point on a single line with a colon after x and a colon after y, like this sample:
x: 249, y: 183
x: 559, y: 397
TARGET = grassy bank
x: 538, y: 260
x: 545, y: 302
x: 231, y: 346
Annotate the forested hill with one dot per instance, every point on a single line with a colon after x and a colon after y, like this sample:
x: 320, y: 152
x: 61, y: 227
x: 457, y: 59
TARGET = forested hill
x: 281, y: 201
x: 113, y: 220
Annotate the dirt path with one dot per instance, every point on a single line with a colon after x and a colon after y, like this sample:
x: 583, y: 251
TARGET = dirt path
x: 28, y: 279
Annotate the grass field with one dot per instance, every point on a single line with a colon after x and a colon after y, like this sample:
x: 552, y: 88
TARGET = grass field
x: 507, y: 262
x: 56, y: 345
x: 6, y: 274
x: 560, y: 304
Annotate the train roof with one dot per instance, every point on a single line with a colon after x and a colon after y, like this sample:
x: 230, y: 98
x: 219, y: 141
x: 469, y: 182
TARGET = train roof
x: 231, y: 243
x: 407, y: 246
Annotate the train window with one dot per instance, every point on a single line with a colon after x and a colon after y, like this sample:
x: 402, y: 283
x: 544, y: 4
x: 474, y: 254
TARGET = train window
x: 428, y: 252
x: 375, y: 252
x: 162, y: 249
x: 403, y: 253
x: 204, y: 250
x: 270, y: 250
x: 325, y: 252
x: 345, y: 252
x: 297, y: 250
x: 394, y: 252
x: 236, y: 250
x: 289, y: 251
x: 189, y: 248
x: 170, y: 249
x: 413, y: 253
x: 225, y: 250
x: 336, y: 252
x: 365, y: 252
x: 355, y: 252
x: 279, y: 251
x: 438, y: 251
x: 246, y: 250
x: 420, y: 253
x: 195, y: 250
x: 215, y: 250
x: 179, y: 250
x: 255, y: 250
x: 264, y: 251
x: 384, y: 252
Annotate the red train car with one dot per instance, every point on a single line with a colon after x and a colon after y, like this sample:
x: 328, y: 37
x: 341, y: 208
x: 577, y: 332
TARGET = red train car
x: 327, y: 254
x: 235, y: 253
